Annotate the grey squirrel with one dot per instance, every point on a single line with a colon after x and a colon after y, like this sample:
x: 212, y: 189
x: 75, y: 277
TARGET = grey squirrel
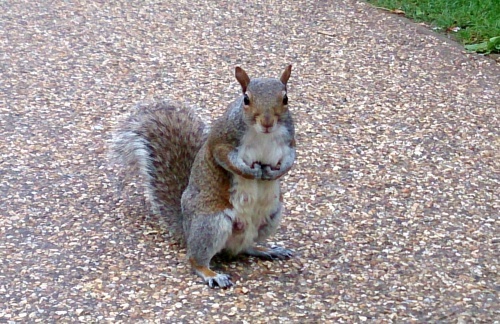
x: 223, y: 181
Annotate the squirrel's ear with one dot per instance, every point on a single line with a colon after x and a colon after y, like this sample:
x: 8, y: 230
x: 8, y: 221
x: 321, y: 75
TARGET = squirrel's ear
x: 242, y: 78
x: 286, y: 74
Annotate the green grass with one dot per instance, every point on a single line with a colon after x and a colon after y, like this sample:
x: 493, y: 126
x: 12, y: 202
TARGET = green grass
x: 479, y: 20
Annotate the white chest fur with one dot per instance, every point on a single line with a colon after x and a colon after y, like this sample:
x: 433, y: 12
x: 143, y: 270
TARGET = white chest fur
x: 267, y: 148
x: 254, y: 201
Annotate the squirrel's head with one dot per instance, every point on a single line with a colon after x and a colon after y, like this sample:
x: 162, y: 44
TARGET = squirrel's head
x: 265, y: 101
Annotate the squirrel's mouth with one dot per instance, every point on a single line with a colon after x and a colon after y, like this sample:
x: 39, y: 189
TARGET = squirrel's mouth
x: 266, y: 130
x: 259, y: 128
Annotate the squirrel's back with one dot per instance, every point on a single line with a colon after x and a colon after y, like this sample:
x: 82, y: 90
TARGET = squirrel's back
x: 159, y: 142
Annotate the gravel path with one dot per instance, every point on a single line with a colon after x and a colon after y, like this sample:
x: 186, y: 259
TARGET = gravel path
x: 392, y: 207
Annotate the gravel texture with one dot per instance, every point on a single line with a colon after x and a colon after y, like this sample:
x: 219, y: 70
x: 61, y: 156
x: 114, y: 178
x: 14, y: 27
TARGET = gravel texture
x: 392, y: 207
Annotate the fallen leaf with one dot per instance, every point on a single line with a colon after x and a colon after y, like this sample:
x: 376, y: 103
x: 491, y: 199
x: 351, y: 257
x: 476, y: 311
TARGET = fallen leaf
x: 397, y: 11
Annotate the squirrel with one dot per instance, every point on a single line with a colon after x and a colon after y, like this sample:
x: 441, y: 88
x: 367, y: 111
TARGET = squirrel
x: 221, y: 183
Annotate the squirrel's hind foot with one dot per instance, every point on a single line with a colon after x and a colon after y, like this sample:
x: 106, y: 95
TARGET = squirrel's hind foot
x: 274, y: 253
x: 212, y: 278
x: 219, y: 280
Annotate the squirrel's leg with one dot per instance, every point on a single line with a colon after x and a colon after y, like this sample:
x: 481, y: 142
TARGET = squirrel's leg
x: 267, y: 229
x: 208, y: 235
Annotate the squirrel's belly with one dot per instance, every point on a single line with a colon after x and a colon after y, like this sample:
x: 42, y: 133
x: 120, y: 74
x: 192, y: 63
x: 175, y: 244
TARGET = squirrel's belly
x: 254, y: 202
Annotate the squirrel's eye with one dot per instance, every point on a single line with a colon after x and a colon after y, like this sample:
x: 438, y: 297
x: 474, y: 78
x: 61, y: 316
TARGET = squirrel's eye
x: 285, y: 100
x: 246, y: 100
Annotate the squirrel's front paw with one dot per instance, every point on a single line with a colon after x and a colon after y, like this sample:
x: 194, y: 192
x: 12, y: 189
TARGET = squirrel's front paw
x: 256, y: 170
x: 271, y: 173
x: 256, y: 165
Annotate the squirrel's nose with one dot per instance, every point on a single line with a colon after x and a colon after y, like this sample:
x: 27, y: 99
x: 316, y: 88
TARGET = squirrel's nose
x: 268, y: 122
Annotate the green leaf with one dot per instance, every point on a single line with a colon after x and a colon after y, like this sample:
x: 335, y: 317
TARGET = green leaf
x: 496, y: 42
x: 485, y: 47
x: 481, y: 47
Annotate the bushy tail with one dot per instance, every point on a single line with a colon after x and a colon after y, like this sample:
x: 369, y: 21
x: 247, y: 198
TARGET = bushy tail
x: 159, y: 142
